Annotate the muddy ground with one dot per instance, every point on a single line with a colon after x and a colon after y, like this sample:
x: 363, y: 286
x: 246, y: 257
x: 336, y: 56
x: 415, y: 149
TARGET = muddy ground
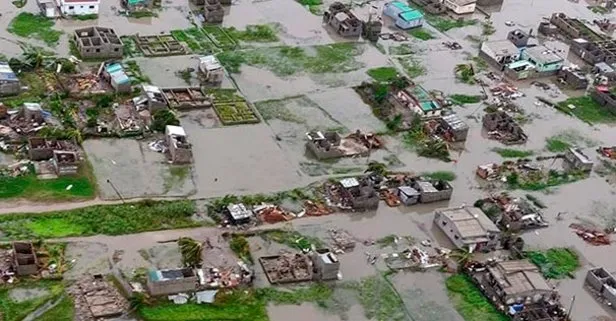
x: 269, y: 156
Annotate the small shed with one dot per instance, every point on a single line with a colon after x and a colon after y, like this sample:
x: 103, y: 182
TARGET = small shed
x: 408, y: 195
x: 118, y: 78
x: 239, y: 214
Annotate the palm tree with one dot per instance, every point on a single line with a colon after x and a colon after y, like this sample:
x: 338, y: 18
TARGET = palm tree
x: 461, y: 257
x: 376, y: 168
x: 36, y: 57
x: 191, y: 251
x: 465, y: 72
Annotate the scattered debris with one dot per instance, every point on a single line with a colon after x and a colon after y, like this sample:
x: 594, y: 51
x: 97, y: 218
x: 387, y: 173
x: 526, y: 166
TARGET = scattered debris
x: 591, y: 235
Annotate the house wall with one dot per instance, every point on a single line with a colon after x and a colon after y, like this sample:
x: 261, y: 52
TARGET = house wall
x: 321, y: 153
x: 451, y: 5
x: 604, y: 99
x: 179, y: 155
x: 406, y: 200
x: 107, y: 50
x: 435, y: 196
x: 172, y: 286
x: 79, y: 8
x: 445, y: 225
x: 489, y: 2
x: 596, y: 282
x: 10, y: 88
x: 403, y: 24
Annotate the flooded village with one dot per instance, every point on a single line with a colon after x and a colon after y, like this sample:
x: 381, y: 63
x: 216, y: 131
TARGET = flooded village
x: 254, y: 160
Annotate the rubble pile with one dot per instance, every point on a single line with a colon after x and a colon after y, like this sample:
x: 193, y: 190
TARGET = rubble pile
x: 506, y: 91
x: 230, y: 277
x: 413, y: 258
x: 6, y: 266
x: 512, y: 214
x: 96, y: 298
x: 342, y: 239
x: 609, y: 152
x: 316, y: 209
x: 271, y: 214
x: 591, y: 235
x: 287, y: 268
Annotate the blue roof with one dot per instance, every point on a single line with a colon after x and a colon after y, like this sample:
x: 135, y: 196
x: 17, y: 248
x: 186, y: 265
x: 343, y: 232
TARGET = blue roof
x: 411, y: 15
x: 113, y: 68
x: 427, y: 105
x: 401, y: 5
x: 120, y: 77
x: 6, y: 73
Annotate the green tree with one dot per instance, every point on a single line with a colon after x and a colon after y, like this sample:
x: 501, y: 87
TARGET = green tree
x: 376, y: 168
x: 191, y: 251
x: 465, y: 72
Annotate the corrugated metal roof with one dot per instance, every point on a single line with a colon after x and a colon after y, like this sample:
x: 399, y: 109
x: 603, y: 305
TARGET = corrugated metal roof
x: 401, y: 5
x: 6, y: 73
x: 455, y: 122
x: 120, y: 77
x: 411, y: 15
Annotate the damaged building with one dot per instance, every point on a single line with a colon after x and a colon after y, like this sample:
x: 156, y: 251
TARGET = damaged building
x: 239, y: 214
x: 213, y: 11
x: 537, y: 61
x: 499, y: 53
x: 343, y: 20
x: 604, y: 97
x: 97, y: 299
x: 116, y: 76
x: 65, y: 162
x: 63, y: 154
x: 603, y: 284
x: 9, y: 83
x: 287, y: 268
x: 330, y: 144
x: 450, y: 127
x: 359, y: 194
x: 180, y: 150
x: 576, y: 159
x: 513, y: 214
x: 326, y: 265
x: 25, y: 261
x: 468, y: 228
x: 152, y: 97
x: 211, y: 69
x: 172, y: 281
x: 418, y: 100
x: 502, y: 127
x: 575, y: 79
x: 186, y: 98
x: 431, y: 191
x: 98, y: 42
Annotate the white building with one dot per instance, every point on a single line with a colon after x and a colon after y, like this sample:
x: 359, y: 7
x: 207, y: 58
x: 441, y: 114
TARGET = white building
x: 468, y: 228
x: 460, y: 6
x: 79, y: 7
x: 211, y: 68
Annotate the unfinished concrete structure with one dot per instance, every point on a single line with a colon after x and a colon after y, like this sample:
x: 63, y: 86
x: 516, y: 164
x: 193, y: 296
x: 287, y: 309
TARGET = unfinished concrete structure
x: 502, y: 127
x: 371, y: 29
x: 573, y: 78
x: 576, y: 159
x: 513, y: 214
x: 159, y: 45
x: 516, y: 282
x: 65, y: 162
x: 287, y: 268
x: 326, y: 265
x: 42, y: 149
x: 408, y: 195
x: 97, y: 299
x: 453, y: 128
x: 180, y: 149
x: 331, y: 145
x: 239, y: 214
x: 359, y: 194
x: 594, y: 52
x: 186, y: 98
x: 499, y: 53
x: 25, y: 261
x: 605, y: 98
x: 164, y: 282
x: 432, y: 191
x: 153, y: 98
x: 213, y: 12
x: 518, y: 38
x: 603, y: 284
x: 98, y: 42
x: 468, y: 228
x: 32, y: 112
x: 343, y: 20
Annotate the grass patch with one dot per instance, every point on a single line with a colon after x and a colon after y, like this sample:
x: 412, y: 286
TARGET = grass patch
x: 119, y: 219
x: 383, y: 74
x: 254, y: 33
x: 469, y: 301
x: 287, y: 61
x: 412, y: 67
x: 487, y: 28
x: 29, y: 187
x: 235, y: 113
x: 14, y: 311
x: 239, y: 245
x: 137, y: 14
x: 441, y: 175
x: 512, y: 153
x: 586, y: 109
x: 445, y: 24
x: 421, y: 34
x: 196, y: 40
x: 556, y: 144
x: 29, y: 25
x: 220, y: 37
x: 555, y: 263
x: 461, y: 99
x: 65, y: 310
x: 293, y: 239
x: 84, y: 17
x: 379, y: 299
x: 401, y: 50
x: 541, y: 181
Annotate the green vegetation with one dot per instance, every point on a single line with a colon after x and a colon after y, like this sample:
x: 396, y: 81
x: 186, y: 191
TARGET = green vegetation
x: 555, y: 263
x: 221, y: 38
x: 292, y: 239
x: 20, y: 3
x: 586, y: 109
x: 287, y: 61
x: 448, y: 176
x: 412, y: 67
x: 556, y: 144
x: 12, y: 310
x: 383, y: 74
x: 540, y: 181
x: 191, y: 251
x: 239, y: 245
x: 162, y: 118
x: 196, y: 40
x: 137, y: 76
x: 379, y: 299
x: 512, y: 153
x: 443, y: 24
x: 65, y: 310
x: 421, y: 34
x: 537, y: 202
x: 138, y: 14
x: 29, y: 187
x: 469, y: 301
x: 465, y: 73
x: 84, y: 17
x: 235, y: 113
x: 598, y: 9
x: 401, y: 50
x: 461, y: 99
x: 254, y: 33
x: 417, y: 140
x: 29, y: 25
x: 118, y: 219
x: 314, y: 6
x: 487, y: 28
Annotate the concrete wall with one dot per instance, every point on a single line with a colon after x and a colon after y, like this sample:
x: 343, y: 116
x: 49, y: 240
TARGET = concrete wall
x: 445, y: 225
x: 79, y: 8
x: 10, y: 88
x: 451, y: 5
x: 604, y: 99
x: 166, y: 287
